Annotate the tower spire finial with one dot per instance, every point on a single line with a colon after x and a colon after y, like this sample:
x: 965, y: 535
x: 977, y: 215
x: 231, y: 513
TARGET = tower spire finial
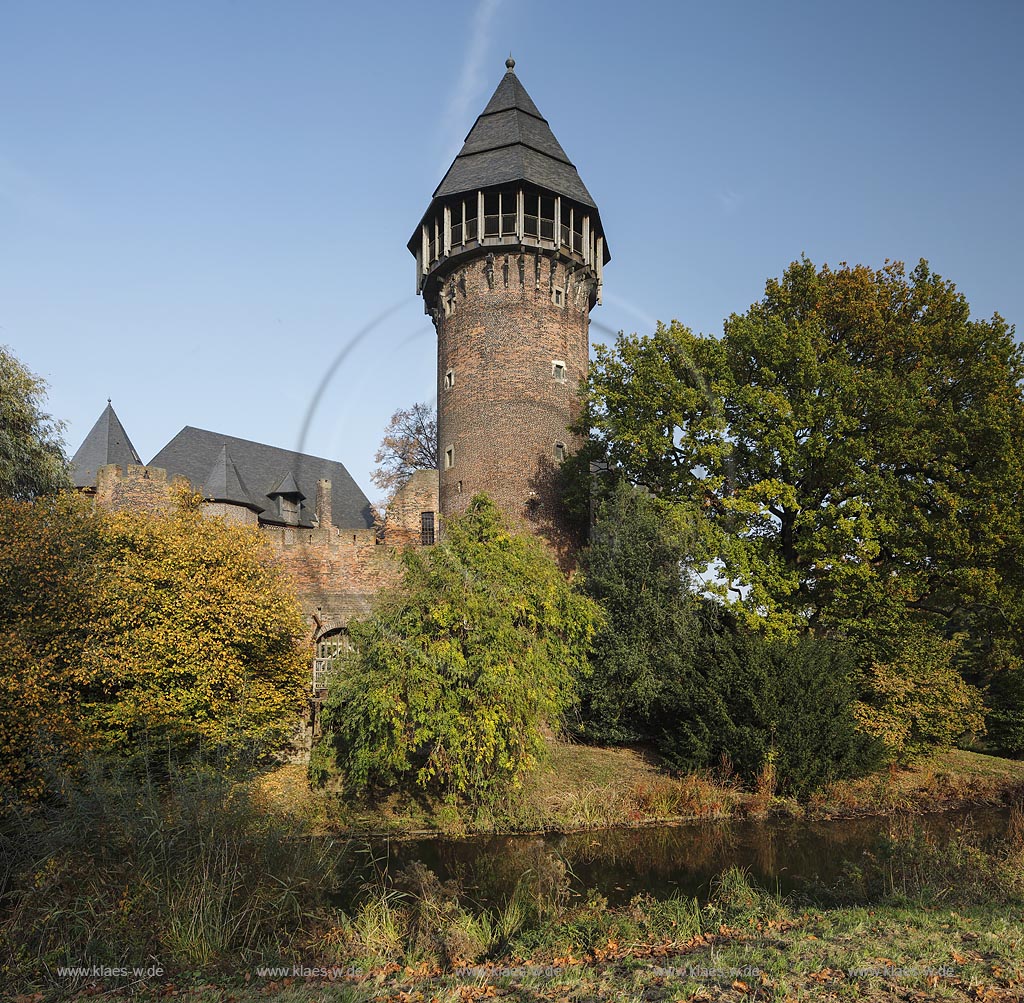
x: 510, y: 63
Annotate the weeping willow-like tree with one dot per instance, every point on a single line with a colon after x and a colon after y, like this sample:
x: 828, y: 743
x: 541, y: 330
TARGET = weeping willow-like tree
x: 460, y: 666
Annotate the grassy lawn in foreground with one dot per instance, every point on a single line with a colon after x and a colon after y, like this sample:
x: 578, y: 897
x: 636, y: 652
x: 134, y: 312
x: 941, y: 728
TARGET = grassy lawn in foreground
x: 768, y: 951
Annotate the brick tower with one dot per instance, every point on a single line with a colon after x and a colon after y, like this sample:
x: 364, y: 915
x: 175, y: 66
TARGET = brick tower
x: 509, y: 257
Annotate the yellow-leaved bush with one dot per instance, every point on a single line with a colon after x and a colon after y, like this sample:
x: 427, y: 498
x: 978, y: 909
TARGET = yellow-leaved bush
x: 917, y: 701
x: 127, y: 630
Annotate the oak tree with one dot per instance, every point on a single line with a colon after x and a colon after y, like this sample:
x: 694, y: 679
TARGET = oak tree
x: 409, y: 444
x: 853, y: 442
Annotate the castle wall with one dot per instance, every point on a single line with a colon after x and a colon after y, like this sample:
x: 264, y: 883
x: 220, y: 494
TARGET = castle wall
x: 336, y: 572
x: 136, y: 488
x: 416, y: 496
x: 505, y: 323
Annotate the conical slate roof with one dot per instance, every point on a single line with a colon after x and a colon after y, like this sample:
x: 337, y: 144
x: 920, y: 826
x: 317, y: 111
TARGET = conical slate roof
x: 223, y: 483
x: 107, y: 442
x: 511, y: 141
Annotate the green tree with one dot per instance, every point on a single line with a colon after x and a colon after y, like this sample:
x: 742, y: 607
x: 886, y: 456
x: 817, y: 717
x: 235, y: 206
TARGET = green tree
x: 854, y: 443
x: 32, y: 460
x: 460, y: 666
x: 639, y: 567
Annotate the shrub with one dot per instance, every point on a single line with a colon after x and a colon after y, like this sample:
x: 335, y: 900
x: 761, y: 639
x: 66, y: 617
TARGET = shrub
x: 1006, y: 719
x: 459, y: 667
x: 917, y: 701
x: 773, y: 708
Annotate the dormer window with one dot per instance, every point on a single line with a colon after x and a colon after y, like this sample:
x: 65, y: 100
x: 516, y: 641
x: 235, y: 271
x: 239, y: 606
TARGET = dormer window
x: 289, y: 500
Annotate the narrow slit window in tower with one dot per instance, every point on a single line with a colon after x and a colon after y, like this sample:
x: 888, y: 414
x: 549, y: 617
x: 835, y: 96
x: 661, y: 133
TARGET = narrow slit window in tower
x: 449, y: 458
x: 558, y: 370
x: 449, y: 379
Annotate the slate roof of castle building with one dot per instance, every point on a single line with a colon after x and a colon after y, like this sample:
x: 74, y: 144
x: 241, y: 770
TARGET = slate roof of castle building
x: 260, y: 469
x: 512, y: 141
x: 107, y: 442
x: 224, y: 484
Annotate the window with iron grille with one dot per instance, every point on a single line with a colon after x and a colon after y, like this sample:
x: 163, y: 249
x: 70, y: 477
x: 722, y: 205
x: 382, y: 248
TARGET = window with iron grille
x: 427, y: 529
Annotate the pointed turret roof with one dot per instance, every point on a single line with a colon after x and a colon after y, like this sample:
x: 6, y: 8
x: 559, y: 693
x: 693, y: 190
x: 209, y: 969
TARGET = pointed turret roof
x: 511, y: 141
x: 223, y: 483
x: 107, y: 442
x: 286, y: 486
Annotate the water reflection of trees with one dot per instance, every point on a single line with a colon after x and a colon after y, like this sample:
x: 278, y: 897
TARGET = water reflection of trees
x: 662, y: 860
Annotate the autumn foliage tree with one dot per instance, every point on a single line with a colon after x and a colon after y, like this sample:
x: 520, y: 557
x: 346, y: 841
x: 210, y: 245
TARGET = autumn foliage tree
x: 459, y: 667
x: 855, y: 446
x: 195, y: 640
x: 127, y: 631
x: 47, y: 554
x: 409, y: 444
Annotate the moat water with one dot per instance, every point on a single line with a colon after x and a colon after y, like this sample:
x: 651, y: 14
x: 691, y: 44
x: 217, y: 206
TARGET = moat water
x: 784, y: 855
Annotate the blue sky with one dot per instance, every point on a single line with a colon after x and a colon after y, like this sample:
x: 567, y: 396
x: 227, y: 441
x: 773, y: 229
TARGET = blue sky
x: 202, y: 203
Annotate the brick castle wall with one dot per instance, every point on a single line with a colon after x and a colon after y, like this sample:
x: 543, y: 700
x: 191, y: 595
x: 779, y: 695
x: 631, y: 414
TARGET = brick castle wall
x: 137, y: 488
x: 503, y: 323
x: 416, y: 496
x: 336, y: 572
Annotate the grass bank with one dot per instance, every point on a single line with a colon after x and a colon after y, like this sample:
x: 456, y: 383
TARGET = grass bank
x: 914, y: 920
x: 586, y: 787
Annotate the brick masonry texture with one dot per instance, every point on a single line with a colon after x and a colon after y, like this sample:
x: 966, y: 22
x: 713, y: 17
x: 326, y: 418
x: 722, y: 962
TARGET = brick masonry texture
x: 137, y: 488
x: 335, y: 572
x: 416, y: 496
x: 502, y: 325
